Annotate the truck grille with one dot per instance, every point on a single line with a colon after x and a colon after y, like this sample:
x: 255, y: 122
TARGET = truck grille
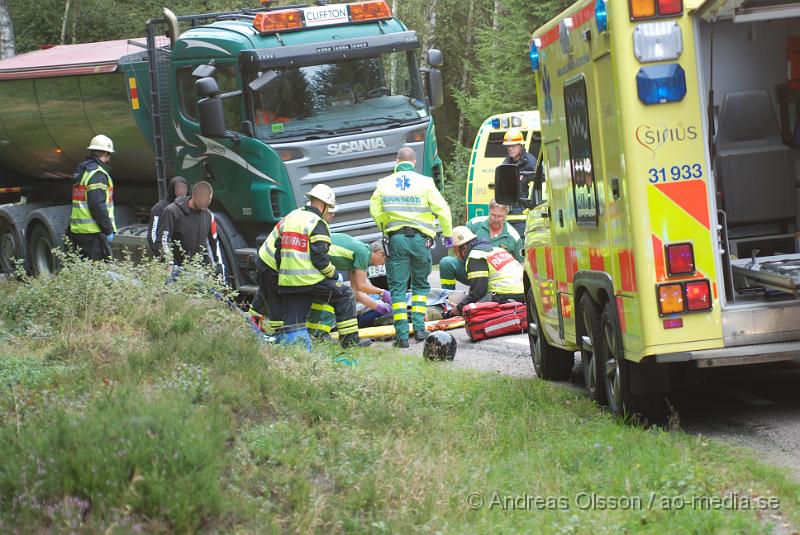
x: 353, y: 177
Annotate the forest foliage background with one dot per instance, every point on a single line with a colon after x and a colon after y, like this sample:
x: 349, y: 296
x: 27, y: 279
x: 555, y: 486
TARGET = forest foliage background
x: 485, y: 43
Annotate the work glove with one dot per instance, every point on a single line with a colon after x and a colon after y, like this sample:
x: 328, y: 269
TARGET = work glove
x: 383, y: 309
x: 448, y: 242
x: 386, y: 297
x: 110, y: 237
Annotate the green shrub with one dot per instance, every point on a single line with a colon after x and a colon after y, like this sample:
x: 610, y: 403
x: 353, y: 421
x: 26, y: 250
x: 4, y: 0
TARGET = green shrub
x: 152, y: 457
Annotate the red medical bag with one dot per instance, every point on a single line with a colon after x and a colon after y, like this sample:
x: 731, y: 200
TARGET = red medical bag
x: 488, y: 320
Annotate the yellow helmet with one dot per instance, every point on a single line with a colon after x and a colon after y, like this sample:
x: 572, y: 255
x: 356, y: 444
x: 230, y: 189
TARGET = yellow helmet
x: 514, y: 137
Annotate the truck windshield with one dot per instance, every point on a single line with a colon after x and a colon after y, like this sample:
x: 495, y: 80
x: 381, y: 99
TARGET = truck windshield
x: 330, y: 98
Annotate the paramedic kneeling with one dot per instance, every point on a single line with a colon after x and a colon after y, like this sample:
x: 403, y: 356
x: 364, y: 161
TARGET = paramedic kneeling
x: 493, y: 273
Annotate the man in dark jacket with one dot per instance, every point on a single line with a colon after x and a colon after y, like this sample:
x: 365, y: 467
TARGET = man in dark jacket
x: 514, y: 141
x: 188, y: 227
x: 91, y: 223
x: 177, y: 187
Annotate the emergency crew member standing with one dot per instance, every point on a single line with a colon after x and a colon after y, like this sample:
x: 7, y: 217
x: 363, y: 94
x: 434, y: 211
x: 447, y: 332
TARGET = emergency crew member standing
x: 91, y: 223
x: 404, y: 206
x: 514, y: 142
x: 493, y: 274
x: 494, y: 229
x: 305, y: 271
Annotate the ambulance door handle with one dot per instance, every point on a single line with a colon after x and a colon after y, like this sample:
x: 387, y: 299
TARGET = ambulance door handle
x: 561, y: 218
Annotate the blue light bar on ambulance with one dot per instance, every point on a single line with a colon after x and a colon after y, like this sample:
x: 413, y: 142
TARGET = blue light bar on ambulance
x: 601, y: 15
x: 496, y: 122
x: 659, y: 84
x: 283, y: 20
x: 534, y: 54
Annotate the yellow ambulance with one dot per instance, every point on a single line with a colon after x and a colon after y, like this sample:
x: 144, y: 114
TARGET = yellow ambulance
x: 663, y: 230
x: 488, y: 152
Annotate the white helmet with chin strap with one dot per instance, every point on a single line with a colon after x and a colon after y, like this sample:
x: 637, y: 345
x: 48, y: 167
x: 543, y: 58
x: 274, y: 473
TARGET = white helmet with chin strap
x: 101, y: 142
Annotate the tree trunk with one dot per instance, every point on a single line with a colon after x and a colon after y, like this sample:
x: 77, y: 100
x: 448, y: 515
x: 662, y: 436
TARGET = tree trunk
x: 393, y: 72
x: 75, y: 16
x: 465, y: 70
x: 431, y: 33
x: 8, y: 43
x: 64, y: 23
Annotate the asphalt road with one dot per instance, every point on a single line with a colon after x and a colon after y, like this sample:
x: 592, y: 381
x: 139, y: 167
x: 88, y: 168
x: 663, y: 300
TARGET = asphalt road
x: 756, y: 406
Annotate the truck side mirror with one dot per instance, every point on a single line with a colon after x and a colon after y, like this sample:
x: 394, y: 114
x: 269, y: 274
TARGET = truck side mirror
x: 435, y: 88
x: 206, y: 87
x: 204, y: 71
x: 212, y: 117
x: 506, y: 184
x: 435, y: 58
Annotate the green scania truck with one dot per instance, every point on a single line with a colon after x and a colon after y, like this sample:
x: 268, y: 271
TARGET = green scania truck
x: 262, y: 103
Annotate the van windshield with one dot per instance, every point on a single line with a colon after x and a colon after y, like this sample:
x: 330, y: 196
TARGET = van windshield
x: 330, y: 98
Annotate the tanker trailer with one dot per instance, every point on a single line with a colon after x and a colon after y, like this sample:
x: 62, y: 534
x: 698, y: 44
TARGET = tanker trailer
x: 52, y: 102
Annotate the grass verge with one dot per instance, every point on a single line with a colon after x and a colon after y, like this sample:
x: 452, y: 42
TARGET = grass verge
x: 130, y: 405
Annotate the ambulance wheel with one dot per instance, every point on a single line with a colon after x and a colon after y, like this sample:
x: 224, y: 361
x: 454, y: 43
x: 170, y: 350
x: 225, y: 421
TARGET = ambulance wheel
x: 588, y: 338
x: 649, y: 408
x: 550, y: 363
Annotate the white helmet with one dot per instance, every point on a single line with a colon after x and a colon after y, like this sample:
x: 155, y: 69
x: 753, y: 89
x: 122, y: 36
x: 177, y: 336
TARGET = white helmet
x: 101, y: 142
x: 462, y: 235
x: 323, y: 193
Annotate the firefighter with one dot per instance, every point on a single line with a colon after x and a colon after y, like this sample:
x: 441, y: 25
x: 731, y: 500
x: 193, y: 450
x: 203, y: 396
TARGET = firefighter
x: 305, y: 271
x: 494, y: 229
x: 188, y: 227
x: 177, y: 187
x: 514, y: 141
x: 352, y: 256
x: 91, y: 223
x: 268, y: 301
x: 404, y: 206
x: 492, y: 272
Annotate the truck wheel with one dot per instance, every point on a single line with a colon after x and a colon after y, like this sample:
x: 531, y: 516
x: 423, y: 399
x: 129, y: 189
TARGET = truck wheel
x: 43, y: 261
x: 588, y: 337
x: 550, y: 363
x: 623, y: 403
x: 230, y: 241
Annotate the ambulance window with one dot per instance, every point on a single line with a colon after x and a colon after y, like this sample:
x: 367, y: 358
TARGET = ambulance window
x: 494, y: 145
x: 584, y: 189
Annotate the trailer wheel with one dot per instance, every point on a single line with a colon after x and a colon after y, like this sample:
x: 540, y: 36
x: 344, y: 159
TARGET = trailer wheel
x: 649, y: 408
x: 588, y: 336
x: 43, y: 261
x: 9, y: 248
x: 550, y: 363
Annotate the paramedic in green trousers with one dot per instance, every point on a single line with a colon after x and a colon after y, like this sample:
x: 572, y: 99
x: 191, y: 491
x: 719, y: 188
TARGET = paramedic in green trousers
x: 494, y: 229
x: 404, y: 206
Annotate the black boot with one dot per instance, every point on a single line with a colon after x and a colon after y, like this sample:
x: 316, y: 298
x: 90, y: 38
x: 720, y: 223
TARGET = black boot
x: 420, y: 336
x: 352, y: 340
x: 401, y: 343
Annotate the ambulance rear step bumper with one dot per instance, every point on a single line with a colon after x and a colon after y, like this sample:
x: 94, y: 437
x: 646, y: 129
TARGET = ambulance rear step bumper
x: 736, y: 356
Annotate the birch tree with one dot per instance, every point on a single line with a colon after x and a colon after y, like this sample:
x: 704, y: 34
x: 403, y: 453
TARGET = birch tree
x: 8, y: 43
